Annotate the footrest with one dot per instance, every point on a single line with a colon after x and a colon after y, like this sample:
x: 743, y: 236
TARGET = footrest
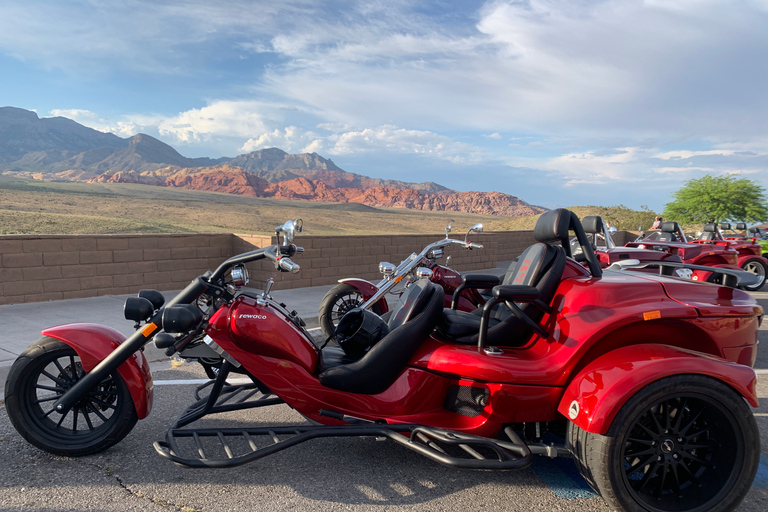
x: 218, y: 448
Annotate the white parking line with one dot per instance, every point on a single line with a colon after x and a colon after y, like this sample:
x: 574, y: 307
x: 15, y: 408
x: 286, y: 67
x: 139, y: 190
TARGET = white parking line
x: 182, y: 382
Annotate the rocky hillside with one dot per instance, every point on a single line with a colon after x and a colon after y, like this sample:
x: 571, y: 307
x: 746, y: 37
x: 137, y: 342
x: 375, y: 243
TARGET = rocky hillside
x: 235, y: 180
x: 61, y: 149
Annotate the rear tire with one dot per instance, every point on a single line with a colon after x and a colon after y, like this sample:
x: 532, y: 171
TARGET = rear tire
x: 758, y: 267
x: 40, y: 375
x: 340, y: 299
x: 683, y: 443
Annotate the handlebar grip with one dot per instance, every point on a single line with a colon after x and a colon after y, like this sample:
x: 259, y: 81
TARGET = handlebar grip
x: 473, y: 245
x: 288, y: 266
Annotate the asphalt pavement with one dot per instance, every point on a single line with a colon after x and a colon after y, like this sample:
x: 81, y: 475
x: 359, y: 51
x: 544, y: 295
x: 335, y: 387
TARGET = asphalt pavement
x: 324, y: 474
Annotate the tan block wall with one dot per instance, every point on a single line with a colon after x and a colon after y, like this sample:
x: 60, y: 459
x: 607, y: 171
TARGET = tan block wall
x: 35, y: 268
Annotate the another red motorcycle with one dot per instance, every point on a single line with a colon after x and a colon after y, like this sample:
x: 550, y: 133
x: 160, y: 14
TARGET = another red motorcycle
x: 354, y: 292
x: 645, y: 380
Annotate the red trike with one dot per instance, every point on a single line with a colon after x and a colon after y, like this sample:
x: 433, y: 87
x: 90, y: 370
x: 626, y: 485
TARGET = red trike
x: 645, y: 380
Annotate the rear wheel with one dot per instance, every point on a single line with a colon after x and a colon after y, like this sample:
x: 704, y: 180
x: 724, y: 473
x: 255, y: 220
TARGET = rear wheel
x: 683, y: 443
x: 757, y: 267
x: 44, y: 372
x: 340, y: 299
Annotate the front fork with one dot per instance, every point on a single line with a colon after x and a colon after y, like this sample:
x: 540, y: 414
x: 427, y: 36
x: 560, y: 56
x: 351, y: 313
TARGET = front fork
x: 126, y: 349
x: 107, y: 365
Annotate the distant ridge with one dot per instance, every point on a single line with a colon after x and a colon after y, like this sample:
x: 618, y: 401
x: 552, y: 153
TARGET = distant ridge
x: 61, y: 149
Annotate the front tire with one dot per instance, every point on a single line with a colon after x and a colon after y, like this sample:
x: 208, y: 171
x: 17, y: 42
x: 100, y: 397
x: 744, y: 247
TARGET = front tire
x: 757, y: 267
x: 683, y: 443
x: 40, y: 375
x: 340, y: 299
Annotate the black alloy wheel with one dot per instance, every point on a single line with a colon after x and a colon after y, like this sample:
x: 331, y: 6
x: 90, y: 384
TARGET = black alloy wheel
x: 43, y: 373
x: 684, y: 443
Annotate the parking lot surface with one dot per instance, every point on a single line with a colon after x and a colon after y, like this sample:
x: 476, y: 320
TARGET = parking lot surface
x: 324, y: 474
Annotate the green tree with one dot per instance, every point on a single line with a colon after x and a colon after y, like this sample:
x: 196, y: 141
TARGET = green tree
x: 718, y: 199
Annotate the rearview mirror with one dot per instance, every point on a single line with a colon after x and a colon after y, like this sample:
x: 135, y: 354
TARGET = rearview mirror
x: 289, y: 230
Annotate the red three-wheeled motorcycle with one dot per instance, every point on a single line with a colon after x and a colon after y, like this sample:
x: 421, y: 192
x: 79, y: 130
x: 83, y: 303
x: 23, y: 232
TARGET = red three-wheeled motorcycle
x: 645, y: 380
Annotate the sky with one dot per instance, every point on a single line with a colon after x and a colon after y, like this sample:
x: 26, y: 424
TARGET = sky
x: 557, y: 102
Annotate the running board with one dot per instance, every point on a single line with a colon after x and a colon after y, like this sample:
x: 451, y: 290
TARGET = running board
x: 223, y: 448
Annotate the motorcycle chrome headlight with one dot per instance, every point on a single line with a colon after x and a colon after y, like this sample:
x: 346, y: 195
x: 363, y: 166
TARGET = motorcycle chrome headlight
x: 436, y: 254
x: 239, y: 276
x: 423, y: 273
x: 387, y: 268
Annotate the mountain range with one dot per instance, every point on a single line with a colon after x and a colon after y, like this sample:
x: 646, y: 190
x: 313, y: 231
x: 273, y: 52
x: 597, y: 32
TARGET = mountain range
x: 61, y: 149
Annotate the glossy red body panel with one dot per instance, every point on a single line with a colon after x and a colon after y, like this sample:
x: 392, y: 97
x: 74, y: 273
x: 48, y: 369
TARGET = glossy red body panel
x: 602, y: 388
x: 611, y: 256
x: 93, y: 343
x: 695, y: 253
x: 598, y: 328
x: 263, y: 330
x: 367, y: 290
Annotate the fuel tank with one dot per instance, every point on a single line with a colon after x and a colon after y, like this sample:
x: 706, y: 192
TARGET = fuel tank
x: 259, y: 327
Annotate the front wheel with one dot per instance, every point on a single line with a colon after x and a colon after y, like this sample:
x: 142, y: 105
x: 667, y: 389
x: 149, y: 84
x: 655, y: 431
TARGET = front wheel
x: 757, y: 267
x: 41, y: 374
x: 340, y: 299
x: 683, y: 443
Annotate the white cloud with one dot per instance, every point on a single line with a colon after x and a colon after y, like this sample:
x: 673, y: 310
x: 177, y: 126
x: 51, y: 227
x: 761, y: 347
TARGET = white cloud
x: 291, y: 139
x: 223, y: 118
x: 384, y: 139
x: 684, y: 154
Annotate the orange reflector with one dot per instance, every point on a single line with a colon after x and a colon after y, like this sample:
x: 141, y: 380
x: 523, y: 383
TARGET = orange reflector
x: 148, y: 329
x: 651, y: 315
x: 399, y: 278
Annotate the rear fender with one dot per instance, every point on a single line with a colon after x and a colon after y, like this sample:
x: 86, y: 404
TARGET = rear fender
x: 93, y: 343
x: 595, y: 395
x: 367, y: 289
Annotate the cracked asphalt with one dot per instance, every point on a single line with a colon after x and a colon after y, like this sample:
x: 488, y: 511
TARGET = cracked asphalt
x: 323, y: 474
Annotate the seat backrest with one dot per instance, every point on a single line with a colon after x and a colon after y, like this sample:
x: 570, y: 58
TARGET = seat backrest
x: 707, y: 236
x: 592, y: 224
x: 380, y: 367
x: 411, y: 302
x: 540, y: 265
x: 667, y: 237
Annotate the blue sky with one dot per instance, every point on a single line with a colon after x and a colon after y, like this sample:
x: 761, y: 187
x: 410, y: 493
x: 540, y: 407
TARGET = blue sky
x: 558, y: 102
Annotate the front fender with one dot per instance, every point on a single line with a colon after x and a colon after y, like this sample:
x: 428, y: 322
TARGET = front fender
x: 595, y: 395
x: 367, y: 289
x: 93, y: 343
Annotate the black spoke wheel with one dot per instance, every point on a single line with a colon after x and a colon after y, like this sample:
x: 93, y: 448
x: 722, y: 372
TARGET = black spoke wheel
x: 684, y: 443
x: 757, y: 267
x: 44, y: 372
x: 340, y: 299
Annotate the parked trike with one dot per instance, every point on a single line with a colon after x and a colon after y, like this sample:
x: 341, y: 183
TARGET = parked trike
x: 645, y: 380
x: 354, y: 292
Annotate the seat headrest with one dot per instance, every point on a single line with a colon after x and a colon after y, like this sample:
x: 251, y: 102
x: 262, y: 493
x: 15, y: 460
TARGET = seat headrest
x: 741, y: 226
x: 725, y: 225
x: 754, y: 229
x: 553, y: 226
x: 592, y: 224
x: 669, y: 227
x: 710, y: 228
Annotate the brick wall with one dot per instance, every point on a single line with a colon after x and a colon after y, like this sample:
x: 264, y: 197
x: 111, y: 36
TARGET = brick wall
x: 35, y: 268
x: 38, y: 268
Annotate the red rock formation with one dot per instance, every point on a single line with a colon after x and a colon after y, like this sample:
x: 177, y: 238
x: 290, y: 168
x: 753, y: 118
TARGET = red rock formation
x: 234, y: 180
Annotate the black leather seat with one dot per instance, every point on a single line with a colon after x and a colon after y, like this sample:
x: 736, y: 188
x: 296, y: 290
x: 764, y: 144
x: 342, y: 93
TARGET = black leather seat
x: 709, y: 232
x: 412, y: 320
x: 669, y: 232
x: 536, y: 273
